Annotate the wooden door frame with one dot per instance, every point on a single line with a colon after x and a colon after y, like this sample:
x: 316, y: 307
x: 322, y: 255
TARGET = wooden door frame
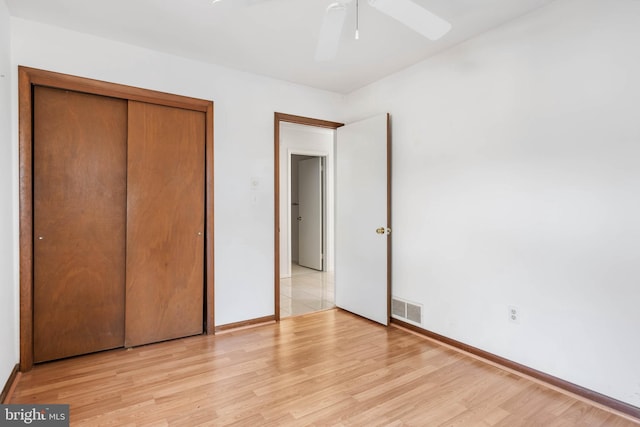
x: 277, y: 119
x: 27, y: 79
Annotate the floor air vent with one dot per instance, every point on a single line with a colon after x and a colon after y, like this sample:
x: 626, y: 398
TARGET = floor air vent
x: 407, y: 311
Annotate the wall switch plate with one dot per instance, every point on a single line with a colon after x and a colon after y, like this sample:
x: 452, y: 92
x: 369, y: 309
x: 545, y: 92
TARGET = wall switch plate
x: 514, y: 314
x: 255, y: 183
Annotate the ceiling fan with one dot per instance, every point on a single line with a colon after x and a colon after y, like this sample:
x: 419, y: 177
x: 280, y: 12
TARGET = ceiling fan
x: 406, y: 12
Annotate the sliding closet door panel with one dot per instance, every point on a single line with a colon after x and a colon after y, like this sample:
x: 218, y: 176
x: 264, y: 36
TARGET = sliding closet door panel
x: 79, y: 200
x: 165, y: 223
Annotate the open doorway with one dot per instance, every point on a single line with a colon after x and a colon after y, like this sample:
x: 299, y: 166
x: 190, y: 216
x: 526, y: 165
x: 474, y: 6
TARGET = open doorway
x: 304, y: 265
x: 309, y: 286
x: 362, y: 242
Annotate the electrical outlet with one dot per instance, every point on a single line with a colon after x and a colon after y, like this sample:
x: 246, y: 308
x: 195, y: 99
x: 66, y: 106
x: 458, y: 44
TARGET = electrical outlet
x: 514, y: 314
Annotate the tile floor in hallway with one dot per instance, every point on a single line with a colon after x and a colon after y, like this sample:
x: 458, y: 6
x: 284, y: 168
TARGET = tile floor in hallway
x: 307, y: 290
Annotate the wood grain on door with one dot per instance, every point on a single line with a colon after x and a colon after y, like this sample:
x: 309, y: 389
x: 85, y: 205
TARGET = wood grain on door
x: 79, y: 219
x: 165, y: 223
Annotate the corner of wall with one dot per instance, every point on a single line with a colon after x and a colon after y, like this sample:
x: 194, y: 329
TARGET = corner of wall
x: 9, y: 348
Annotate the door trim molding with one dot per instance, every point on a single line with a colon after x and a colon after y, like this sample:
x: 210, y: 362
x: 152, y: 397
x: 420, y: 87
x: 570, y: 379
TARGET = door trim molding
x: 27, y: 79
x: 277, y: 119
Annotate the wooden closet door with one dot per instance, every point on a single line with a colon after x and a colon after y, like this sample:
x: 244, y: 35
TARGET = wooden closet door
x: 165, y: 223
x: 79, y: 199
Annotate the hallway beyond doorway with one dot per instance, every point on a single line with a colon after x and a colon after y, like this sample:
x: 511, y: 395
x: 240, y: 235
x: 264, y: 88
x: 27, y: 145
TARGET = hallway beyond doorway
x: 306, y: 291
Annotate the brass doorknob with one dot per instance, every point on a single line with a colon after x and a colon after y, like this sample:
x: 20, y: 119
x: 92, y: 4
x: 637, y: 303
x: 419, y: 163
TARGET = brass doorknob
x: 380, y: 230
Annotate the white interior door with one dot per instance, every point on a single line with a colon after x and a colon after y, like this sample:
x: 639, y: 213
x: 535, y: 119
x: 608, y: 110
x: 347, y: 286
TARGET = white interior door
x: 310, y: 213
x: 362, y: 219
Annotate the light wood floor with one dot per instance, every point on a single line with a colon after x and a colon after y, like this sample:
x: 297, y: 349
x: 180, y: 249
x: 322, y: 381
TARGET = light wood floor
x: 326, y: 368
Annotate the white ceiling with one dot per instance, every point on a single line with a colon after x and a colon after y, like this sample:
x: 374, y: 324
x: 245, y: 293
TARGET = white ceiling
x: 276, y: 38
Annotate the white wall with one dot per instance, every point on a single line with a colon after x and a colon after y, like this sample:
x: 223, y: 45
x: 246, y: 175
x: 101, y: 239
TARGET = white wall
x: 516, y: 182
x: 314, y: 141
x: 244, y: 111
x: 8, y: 275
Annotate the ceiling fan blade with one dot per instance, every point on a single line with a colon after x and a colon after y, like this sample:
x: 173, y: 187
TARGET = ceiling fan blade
x: 330, y: 32
x: 414, y: 16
